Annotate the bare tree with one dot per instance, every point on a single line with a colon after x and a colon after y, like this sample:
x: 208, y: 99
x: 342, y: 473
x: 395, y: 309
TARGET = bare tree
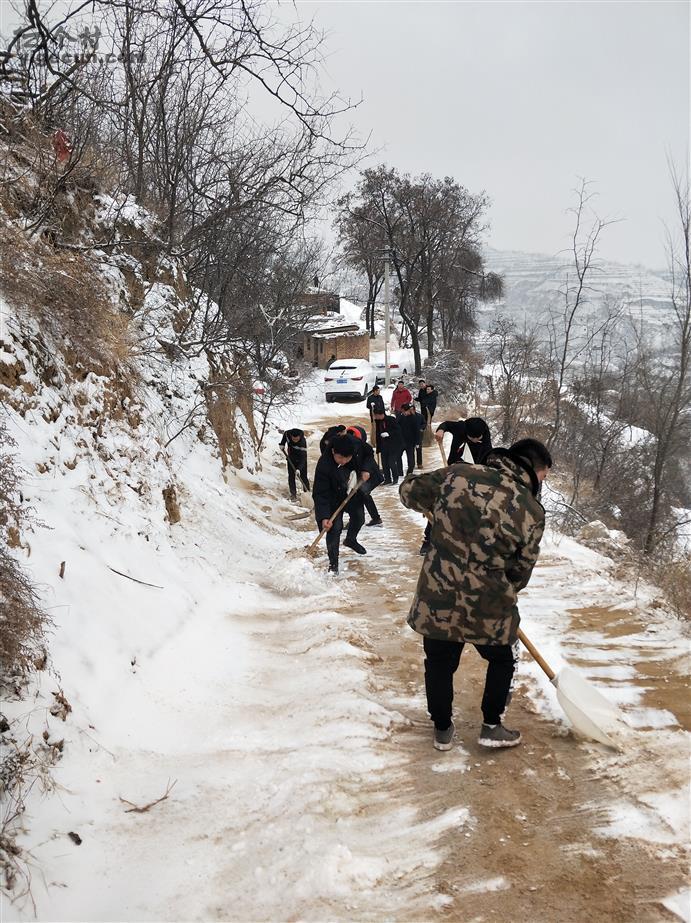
x: 362, y: 248
x: 568, y: 338
x: 666, y: 380
x: 518, y: 383
x: 427, y: 226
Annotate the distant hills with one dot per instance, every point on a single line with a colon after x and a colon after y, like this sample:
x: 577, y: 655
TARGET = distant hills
x: 533, y: 281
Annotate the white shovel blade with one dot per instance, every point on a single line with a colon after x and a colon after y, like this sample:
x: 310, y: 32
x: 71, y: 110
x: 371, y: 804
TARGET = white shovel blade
x: 591, y: 714
x: 305, y: 500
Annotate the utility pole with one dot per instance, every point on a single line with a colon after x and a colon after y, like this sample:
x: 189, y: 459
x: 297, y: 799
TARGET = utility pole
x: 387, y: 322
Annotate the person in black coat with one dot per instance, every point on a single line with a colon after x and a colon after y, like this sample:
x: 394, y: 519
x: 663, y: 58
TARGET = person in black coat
x: 364, y: 460
x: 330, y: 489
x: 294, y: 447
x: 390, y: 445
x: 474, y: 432
x: 427, y: 399
x: 375, y: 402
x: 412, y: 425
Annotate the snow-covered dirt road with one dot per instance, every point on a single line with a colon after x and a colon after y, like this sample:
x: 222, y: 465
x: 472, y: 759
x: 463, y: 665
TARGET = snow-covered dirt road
x: 556, y: 828
x: 289, y: 708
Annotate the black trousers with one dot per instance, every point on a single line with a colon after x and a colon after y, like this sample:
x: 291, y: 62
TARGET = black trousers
x: 371, y: 506
x: 413, y: 456
x: 441, y: 662
x: 356, y: 513
x: 356, y: 516
x: 333, y: 540
x: 302, y: 471
x: 391, y: 463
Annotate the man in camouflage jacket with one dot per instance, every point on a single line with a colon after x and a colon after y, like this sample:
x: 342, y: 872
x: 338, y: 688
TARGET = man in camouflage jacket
x: 486, y: 531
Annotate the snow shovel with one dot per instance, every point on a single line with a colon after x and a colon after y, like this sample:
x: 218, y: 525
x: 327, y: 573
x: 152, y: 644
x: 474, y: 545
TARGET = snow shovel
x: 590, y: 713
x: 304, y: 498
x: 311, y: 550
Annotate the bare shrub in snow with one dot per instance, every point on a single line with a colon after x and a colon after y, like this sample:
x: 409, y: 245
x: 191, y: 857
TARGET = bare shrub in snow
x: 23, y: 626
x: 673, y: 576
x: 453, y: 372
x: 23, y: 623
x: 517, y: 387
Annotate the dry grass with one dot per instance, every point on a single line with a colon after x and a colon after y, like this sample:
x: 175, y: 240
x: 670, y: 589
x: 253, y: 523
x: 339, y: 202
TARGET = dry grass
x: 63, y: 290
x: 674, y: 579
x: 23, y: 623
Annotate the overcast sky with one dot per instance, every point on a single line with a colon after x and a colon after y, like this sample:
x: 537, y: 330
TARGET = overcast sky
x: 520, y: 99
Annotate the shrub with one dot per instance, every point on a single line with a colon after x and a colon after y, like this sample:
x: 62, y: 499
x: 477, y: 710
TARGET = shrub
x: 66, y: 294
x: 23, y: 623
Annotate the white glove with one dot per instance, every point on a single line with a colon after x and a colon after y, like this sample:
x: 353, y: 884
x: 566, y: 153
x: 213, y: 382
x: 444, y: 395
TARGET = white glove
x: 352, y: 481
x: 384, y: 435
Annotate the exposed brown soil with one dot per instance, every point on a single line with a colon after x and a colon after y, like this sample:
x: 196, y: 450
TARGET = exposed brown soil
x: 531, y: 851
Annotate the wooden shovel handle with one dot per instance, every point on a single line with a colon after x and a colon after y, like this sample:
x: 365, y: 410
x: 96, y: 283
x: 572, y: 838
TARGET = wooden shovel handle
x: 335, y: 514
x: 536, y: 655
x: 441, y: 450
x: 302, y: 483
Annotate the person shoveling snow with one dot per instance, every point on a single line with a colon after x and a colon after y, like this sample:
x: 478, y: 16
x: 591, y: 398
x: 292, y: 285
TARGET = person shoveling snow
x: 486, y: 530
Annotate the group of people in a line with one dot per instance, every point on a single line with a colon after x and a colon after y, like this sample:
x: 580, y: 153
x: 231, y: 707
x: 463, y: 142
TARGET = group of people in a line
x: 481, y: 542
x: 400, y: 432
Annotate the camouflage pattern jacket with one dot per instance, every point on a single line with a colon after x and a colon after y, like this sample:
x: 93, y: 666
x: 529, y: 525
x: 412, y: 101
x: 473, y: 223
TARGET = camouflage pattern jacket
x: 486, y: 531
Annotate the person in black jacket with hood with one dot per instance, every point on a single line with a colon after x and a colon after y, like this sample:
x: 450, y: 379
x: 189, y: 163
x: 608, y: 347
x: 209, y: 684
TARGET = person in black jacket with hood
x: 331, y: 479
x: 427, y: 399
x: 294, y: 447
x: 354, y: 456
x: 365, y: 461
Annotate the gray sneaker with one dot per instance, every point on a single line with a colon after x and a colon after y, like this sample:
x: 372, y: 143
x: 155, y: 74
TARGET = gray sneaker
x: 443, y: 740
x: 498, y: 736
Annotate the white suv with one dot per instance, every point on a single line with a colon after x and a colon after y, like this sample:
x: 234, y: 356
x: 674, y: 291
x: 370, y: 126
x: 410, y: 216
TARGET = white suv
x: 349, y: 378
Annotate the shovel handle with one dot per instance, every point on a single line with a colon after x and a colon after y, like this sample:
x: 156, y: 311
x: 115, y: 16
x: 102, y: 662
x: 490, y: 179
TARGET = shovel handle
x: 528, y: 644
x: 288, y: 459
x: 536, y: 655
x: 441, y: 450
x: 335, y: 514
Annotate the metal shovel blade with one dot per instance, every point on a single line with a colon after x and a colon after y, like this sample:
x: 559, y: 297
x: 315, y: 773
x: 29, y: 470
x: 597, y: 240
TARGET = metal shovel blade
x: 590, y: 713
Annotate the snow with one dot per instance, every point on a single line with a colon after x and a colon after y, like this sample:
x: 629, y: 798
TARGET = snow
x: 241, y: 678
x: 251, y: 698
x: 680, y: 905
x: 351, y: 312
x: 490, y: 884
